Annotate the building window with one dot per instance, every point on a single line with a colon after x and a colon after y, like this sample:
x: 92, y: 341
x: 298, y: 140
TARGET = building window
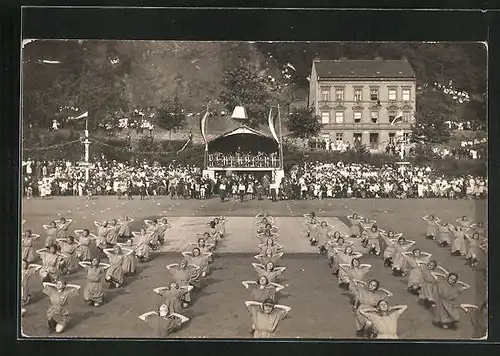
x: 374, y: 116
x: 392, y: 116
x: 339, y: 117
x: 357, y: 117
x: 357, y: 94
x: 339, y: 136
x: 392, y: 94
x: 406, y: 94
x: 406, y: 137
x: 325, y: 94
x: 325, y: 117
x: 406, y: 116
x: 357, y: 137
x: 374, y: 140
x: 392, y: 135
x: 374, y: 94
x: 339, y: 94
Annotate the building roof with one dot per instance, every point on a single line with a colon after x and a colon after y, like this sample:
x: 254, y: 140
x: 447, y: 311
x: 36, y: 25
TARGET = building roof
x: 345, y: 68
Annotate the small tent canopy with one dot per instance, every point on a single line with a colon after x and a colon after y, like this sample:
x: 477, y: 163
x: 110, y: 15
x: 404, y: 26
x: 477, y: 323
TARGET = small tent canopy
x: 244, y: 139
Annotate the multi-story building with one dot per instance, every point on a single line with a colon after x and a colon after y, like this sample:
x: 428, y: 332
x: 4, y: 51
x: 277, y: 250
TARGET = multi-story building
x: 370, y: 101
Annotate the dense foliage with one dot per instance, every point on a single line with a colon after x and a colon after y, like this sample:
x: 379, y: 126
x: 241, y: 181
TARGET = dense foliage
x: 241, y: 86
x: 303, y: 123
x: 170, y: 115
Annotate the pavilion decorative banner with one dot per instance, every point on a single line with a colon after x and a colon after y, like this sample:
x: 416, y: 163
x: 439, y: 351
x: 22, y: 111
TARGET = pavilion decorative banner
x: 271, y: 124
x: 203, y: 124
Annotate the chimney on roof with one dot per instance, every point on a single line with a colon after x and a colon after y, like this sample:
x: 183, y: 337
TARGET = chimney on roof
x: 316, y: 59
x: 379, y: 59
x: 343, y: 58
x: 404, y: 58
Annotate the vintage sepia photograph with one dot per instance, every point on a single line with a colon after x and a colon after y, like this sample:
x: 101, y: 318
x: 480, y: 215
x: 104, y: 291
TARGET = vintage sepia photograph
x: 229, y: 190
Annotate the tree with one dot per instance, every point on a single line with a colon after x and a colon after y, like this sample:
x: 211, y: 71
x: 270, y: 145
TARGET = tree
x: 430, y: 128
x: 171, y: 116
x: 434, y: 109
x: 242, y: 86
x: 303, y: 123
x: 147, y: 144
x: 423, y: 153
x: 474, y: 112
x: 280, y: 82
x: 62, y: 76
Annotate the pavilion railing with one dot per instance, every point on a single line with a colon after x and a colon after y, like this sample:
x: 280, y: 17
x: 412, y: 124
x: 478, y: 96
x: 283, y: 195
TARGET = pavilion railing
x: 247, y: 161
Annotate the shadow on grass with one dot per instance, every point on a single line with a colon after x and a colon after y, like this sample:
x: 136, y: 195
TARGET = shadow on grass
x: 153, y: 255
x: 217, y: 267
x: 193, y: 315
x: 140, y: 268
x: 208, y: 282
x: 80, y: 317
x: 133, y: 277
x: 202, y: 293
x: 280, y: 296
x: 113, y: 293
x: 36, y: 296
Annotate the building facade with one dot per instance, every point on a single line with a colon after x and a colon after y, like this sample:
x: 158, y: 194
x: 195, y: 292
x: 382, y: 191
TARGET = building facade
x: 369, y: 101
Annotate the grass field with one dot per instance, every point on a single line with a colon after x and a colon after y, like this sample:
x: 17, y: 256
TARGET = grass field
x: 319, y: 307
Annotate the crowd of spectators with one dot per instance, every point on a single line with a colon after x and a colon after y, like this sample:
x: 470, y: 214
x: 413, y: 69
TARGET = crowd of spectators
x: 475, y: 149
x: 46, y: 178
x: 328, y: 145
x: 342, y: 146
x: 317, y: 180
x: 307, y: 181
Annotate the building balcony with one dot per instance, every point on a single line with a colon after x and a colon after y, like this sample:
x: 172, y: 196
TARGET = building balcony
x: 366, y: 126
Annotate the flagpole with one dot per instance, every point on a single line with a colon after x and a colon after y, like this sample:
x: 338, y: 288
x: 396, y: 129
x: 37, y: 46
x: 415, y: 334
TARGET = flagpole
x: 402, y: 153
x: 281, y: 138
x: 87, y: 150
x: 202, y: 128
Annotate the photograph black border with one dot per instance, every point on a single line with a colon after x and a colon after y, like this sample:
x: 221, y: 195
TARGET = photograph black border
x: 234, y: 24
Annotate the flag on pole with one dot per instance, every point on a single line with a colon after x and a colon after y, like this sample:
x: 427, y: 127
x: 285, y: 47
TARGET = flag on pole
x: 271, y: 124
x: 398, y: 118
x: 203, y: 123
x: 85, y: 114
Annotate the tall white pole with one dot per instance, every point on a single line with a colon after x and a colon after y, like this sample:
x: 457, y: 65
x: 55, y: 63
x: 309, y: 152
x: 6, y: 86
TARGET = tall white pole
x: 281, y: 139
x: 402, y: 153
x: 87, y: 151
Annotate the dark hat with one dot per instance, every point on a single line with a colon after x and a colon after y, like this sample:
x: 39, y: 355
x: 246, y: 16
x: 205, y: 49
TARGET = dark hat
x: 268, y: 301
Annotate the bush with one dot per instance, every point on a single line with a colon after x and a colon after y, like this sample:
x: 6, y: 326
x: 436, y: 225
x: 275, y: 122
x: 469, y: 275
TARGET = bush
x: 58, y: 137
x: 147, y: 144
x: 171, y: 145
x: 423, y: 154
x: 292, y: 157
x: 451, y: 167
